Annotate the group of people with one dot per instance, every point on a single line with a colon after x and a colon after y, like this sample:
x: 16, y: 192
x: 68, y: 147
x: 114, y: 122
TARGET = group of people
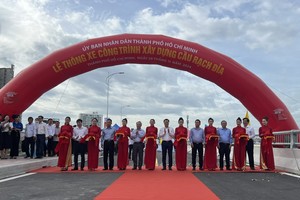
x: 80, y: 139
x: 37, y: 134
x: 210, y: 138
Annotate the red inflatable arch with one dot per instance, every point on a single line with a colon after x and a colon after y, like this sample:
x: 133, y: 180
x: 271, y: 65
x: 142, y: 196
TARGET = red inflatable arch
x: 47, y: 73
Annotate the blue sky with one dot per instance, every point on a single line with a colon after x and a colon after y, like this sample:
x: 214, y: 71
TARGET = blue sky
x: 263, y: 36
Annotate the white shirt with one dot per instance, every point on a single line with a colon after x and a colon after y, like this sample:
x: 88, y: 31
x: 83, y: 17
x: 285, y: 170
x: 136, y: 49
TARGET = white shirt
x: 169, y: 133
x: 57, y: 131
x: 79, y: 133
x: 51, y: 129
x: 137, y: 135
x: 250, y: 132
x: 130, y: 141
x: 42, y: 129
x: 30, y: 130
x: 6, y: 126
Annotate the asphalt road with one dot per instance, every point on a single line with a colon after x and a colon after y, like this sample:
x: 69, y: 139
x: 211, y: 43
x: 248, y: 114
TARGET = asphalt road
x: 251, y: 186
x: 60, y: 186
x: 87, y: 185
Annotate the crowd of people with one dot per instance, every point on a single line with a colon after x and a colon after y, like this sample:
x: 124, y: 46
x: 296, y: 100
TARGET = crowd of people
x: 137, y: 144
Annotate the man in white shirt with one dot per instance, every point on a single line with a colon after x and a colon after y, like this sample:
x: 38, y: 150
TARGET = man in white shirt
x: 79, y: 148
x: 30, y: 136
x: 41, y: 134
x: 250, y: 145
x: 55, y: 137
x: 51, y: 132
x: 167, y: 135
x: 130, y: 146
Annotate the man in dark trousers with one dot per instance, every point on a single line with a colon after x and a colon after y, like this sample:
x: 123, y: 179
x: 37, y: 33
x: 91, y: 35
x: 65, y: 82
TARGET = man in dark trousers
x: 79, y: 148
x: 137, y: 136
x: 167, y: 135
x: 197, y: 139
x: 107, y: 143
x: 225, y: 142
x: 250, y: 145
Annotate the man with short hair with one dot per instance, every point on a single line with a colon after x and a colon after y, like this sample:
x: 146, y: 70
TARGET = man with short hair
x: 41, y: 133
x: 225, y: 142
x: 108, y: 144
x: 79, y: 148
x: 137, y: 136
x: 51, y: 132
x: 197, y: 139
x: 30, y: 136
x: 55, y: 137
x: 167, y: 134
x: 250, y: 144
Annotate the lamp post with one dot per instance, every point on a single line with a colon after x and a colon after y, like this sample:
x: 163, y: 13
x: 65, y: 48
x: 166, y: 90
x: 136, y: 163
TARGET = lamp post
x: 122, y: 107
x: 107, y: 90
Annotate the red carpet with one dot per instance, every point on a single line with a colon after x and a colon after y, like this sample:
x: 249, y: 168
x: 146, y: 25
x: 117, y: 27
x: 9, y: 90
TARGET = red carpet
x: 137, y: 185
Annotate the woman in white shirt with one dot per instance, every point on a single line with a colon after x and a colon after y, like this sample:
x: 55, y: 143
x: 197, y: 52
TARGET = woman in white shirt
x: 6, y: 127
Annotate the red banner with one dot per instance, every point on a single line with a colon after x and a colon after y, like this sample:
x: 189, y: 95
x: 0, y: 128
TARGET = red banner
x: 47, y: 73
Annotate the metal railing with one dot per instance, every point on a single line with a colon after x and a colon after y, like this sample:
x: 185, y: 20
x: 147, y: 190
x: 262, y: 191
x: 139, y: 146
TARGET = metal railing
x: 287, y: 139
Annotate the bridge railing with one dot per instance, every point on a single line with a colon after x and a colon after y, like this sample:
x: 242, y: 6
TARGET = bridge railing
x: 287, y: 139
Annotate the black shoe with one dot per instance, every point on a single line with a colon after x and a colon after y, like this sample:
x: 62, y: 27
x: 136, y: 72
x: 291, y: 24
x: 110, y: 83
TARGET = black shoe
x: 81, y: 169
x: 74, y: 169
x: 228, y: 169
x: 163, y: 168
x: 140, y: 168
x: 111, y: 168
x: 26, y: 157
x: 104, y: 169
x: 252, y: 168
x: 201, y: 168
x: 134, y: 168
x: 194, y: 168
x: 170, y: 168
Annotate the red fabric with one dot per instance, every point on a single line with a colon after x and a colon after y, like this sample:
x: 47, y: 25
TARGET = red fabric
x: 239, y: 152
x: 93, y: 136
x: 150, y: 152
x: 165, y: 185
x: 123, y: 133
x: 65, y: 135
x: 266, y: 148
x: 210, y: 156
x: 181, y: 134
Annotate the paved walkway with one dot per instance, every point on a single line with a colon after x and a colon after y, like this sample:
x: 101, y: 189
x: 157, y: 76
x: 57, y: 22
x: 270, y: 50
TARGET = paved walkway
x: 12, y: 167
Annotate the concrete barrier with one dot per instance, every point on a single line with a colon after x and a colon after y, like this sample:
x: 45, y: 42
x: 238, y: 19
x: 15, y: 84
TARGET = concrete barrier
x: 285, y: 159
x: 12, y: 167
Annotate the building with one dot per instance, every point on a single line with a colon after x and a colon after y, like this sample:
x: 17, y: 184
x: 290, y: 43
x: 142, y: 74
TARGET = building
x: 47, y: 118
x: 87, y: 118
x: 6, y: 74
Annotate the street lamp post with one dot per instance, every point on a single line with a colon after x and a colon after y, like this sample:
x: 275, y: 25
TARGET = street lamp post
x: 122, y: 107
x: 107, y: 90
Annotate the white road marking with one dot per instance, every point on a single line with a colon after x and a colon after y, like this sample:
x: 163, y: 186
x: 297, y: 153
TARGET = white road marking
x: 15, y: 177
x: 288, y: 174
